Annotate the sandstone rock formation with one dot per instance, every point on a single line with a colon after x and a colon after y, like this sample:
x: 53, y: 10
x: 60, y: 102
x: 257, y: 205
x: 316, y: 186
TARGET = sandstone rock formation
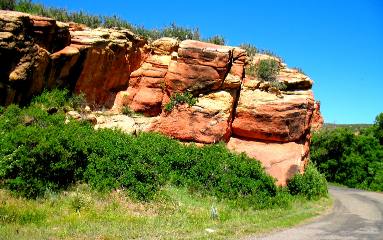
x: 119, y: 70
x: 38, y: 53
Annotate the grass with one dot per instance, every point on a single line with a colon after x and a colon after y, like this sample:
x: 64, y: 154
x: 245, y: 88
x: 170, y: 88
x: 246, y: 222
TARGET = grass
x: 81, y: 213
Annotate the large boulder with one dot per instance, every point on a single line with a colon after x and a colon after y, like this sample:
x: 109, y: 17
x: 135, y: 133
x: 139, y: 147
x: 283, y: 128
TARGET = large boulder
x: 200, y: 67
x: 208, y: 121
x: 264, y: 116
x: 294, y: 79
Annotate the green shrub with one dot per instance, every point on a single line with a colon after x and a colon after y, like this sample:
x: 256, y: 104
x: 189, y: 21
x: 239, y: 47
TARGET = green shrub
x: 299, y: 70
x: 278, y: 85
x: 267, y: 70
x: 217, y: 39
x: 251, y: 50
x: 180, y: 98
x: 350, y: 159
x: 7, y: 4
x: 311, y: 184
x: 127, y: 111
x: 181, y: 33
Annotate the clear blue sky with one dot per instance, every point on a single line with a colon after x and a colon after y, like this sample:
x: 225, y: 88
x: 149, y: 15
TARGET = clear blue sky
x: 339, y: 44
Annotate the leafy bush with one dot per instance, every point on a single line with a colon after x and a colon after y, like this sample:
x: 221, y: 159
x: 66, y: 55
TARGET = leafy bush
x: 181, y: 33
x: 311, y: 184
x: 217, y: 39
x: 267, y: 70
x: 351, y: 159
x: 278, y: 85
x: 179, y: 98
x: 127, y: 111
x: 251, y: 50
x: 7, y: 4
x: 43, y: 154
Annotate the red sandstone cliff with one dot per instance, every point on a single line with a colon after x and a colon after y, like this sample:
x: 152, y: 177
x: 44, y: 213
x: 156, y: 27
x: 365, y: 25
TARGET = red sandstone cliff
x: 116, y: 68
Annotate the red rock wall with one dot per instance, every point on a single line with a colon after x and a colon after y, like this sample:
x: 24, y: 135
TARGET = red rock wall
x: 115, y: 68
x: 38, y: 53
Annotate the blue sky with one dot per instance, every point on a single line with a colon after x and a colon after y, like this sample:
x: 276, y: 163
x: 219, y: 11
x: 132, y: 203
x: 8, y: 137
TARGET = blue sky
x: 339, y: 44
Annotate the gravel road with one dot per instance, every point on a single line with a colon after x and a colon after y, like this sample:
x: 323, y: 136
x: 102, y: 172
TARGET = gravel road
x: 356, y: 215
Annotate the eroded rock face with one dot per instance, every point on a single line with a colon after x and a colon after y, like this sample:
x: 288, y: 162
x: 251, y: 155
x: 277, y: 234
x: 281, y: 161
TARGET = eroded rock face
x: 147, y: 90
x: 264, y: 116
x: 117, y: 69
x: 38, y: 53
x: 26, y: 42
x: 317, y: 122
x: 209, y: 121
x: 200, y: 67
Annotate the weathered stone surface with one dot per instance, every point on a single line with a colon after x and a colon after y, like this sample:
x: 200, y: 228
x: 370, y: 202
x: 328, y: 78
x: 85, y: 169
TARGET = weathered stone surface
x: 263, y: 116
x: 294, y: 79
x: 281, y: 160
x: 190, y: 77
x: 200, y: 67
x: 127, y: 124
x: 317, y: 119
x: 38, y: 53
x: 109, y: 56
x: 146, y: 87
x: 206, y: 122
x: 207, y: 54
x: 165, y: 46
x: 25, y: 45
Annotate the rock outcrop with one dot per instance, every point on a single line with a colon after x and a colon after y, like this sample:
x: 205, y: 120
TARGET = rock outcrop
x: 120, y: 71
x: 38, y: 53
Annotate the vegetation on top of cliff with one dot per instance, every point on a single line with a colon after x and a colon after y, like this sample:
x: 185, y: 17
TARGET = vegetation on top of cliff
x: 351, y: 158
x: 266, y: 70
x: 93, y: 21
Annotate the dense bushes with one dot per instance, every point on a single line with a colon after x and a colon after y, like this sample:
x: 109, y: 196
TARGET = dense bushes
x: 39, y: 152
x: 7, y: 4
x: 311, y: 184
x: 349, y: 158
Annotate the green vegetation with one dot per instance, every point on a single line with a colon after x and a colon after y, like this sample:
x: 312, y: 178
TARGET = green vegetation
x: 127, y: 111
x: 7, y: 4
x: 65, y: 180
x: 267, y: 70
x: 253, y: 50
x: 217, y: 39
x: 82, y: 213
x: 300, y: 70
x: 351, y: 158
x: 180, y: 98
x: 93, y: 21
x: 250, y: 49
x: 311, y: 184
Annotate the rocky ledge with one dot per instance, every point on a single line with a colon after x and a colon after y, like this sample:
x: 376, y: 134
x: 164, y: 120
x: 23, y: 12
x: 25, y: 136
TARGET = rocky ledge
x: 117, y: 69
